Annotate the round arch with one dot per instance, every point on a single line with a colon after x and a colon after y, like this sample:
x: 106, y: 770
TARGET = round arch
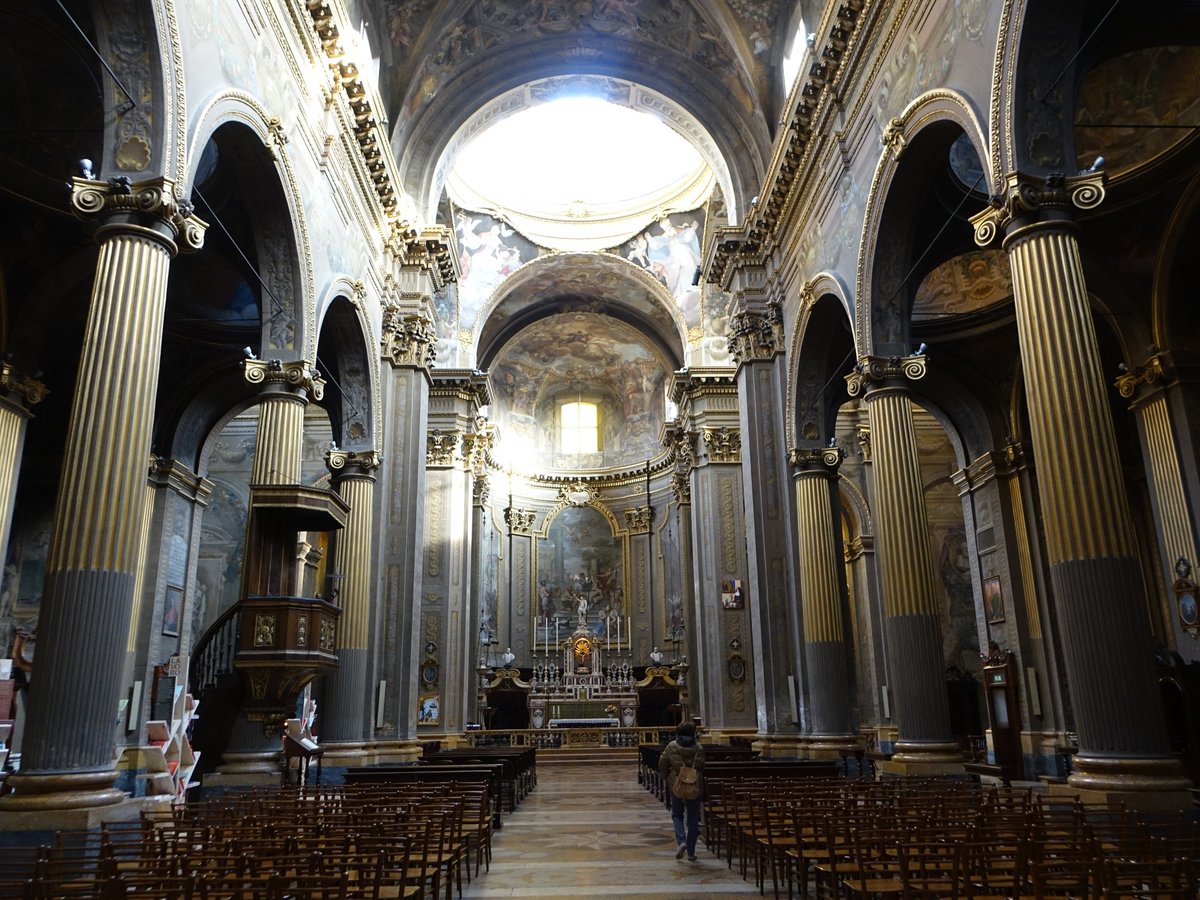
x: 345, y: 358
x: 824, y: 289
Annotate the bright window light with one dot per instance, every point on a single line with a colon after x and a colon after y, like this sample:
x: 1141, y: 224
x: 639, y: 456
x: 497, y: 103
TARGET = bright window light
x: 794, y: 56
x: 579, y: 427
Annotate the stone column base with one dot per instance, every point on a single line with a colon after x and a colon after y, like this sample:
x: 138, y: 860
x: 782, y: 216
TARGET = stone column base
x: 65, y: 801
x: 252, y: 768
x: 1152, y: 784
x: 916, y: 758
x: 394, y: 752
x: 779, y: 746
x: 348, y: 753
x: 831, y: 746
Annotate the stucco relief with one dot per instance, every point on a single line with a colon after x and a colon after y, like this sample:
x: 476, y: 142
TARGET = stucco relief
x: 966, y: 283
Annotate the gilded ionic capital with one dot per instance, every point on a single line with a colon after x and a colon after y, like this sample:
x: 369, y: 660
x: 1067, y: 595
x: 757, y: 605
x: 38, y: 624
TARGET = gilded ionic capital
x: 408, y: 340
x: 1156, y: 369
x: 151, y: 205
x: 19, y: 389
x: 756, y: 335
x: 275, y: 374
x: 439, y: 448
x: 823, y: 460
x: 1028, y: 199
x: 885, y: 371
x: 353, y: 463
x: 723, y: 445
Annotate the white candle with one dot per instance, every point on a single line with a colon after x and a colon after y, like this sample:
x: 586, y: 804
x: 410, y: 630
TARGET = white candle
x: 618, y: 634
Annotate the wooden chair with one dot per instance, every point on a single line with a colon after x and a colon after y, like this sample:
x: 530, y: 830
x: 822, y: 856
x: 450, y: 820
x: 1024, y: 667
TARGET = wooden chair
x: 1077, y: 879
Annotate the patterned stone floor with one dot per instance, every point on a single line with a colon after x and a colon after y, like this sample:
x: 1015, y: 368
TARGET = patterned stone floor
x: 590, y: 830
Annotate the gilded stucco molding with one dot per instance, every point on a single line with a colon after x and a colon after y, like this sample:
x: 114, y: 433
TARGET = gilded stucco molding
x: 1028, y: 198
x: 145, y: 204
x: 20, y: 389
x: 638, y: 519
x: 723, y: 445
x: 465, y: 385
x: 519, y: 520
x: 407, y: 339
x: 275, y: 373
x: 885, y: 371
x: 440, y: 448
x: 756, y: 335
x: 1157, y: 369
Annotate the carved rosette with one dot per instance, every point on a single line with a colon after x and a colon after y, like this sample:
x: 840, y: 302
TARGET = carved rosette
x: 20, y: 389
x: 143, y: 203
x: 826, y: 460
x: 408, y: 339
x: 1158, y: 368
x: 1027, y: 198
x: 360, y: 463
x: 519, y: 521
x: 275, y: 374
x: 755, y: 335
x: 723, y: 445
x: 885, y: 371
x: 638, y: 519
x: 440, y: 447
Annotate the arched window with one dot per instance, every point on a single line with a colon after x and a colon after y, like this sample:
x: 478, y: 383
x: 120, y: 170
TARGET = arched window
x: 579, y: 427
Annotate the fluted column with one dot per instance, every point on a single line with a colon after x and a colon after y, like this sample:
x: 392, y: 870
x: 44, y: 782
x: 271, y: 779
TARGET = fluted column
x: 96, y: 538
x: 18, y: 394
x: 284, y: 391
x: 347, y: 711
x: 826, y: 658
x: 910, y: 591
x: 1094, y: 568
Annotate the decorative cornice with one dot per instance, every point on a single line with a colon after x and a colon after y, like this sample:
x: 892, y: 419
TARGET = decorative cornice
x: 469, y: 385
x: 361, y: 463
x: 175, y: 475
x: 733, y: 247
x: 275, y: 373
x: 142, y: 203
x: 723, y: 445
x: 20, y: 389
x: 519, y: 521
x: 699, y: 382
x: 407, y: 340
x: 825, y: 460
x: 1027, y: 198
x: 881, y: 371
x: 439, y: 448
x: 638, y: 519
x: 756, y: 335
x: 1157, y: 368
x: 428, y: 249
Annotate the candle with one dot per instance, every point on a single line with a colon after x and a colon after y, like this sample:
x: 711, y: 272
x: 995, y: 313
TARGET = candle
x: 618, y: 634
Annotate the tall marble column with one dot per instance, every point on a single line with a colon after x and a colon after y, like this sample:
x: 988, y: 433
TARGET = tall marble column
x: 1094, y: 567
x: 252, y: 754
x: 346, y: 715
x: 920, y: 709
x: 409, y: 348
x: 92, y: 566
x: 1152, y: 389
x: 18, y: 394
x: 826, y: 660
x: 757, y: 343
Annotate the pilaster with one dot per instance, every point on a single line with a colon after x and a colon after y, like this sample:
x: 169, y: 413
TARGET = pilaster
x: 98, y: 525
x: 18, y: 395
x: 1094, y: 567
x: 910, y: 593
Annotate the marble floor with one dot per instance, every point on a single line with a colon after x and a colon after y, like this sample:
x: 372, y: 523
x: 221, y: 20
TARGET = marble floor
x: 590, y: 830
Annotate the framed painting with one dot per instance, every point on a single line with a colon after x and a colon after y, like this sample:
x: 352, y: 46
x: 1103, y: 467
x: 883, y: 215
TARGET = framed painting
x: 429, y: 709
x: 732, y: 595
x: 993, y: 600
x: 172, y: 608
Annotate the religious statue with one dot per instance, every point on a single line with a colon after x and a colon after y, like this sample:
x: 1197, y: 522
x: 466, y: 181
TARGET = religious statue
x: 582, y: 609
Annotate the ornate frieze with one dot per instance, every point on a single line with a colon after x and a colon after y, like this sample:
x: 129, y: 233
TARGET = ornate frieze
x: 880, y: 371
x: 407, y: 339
x: 638, y: 519
x: 440, y: 447
x: 275, y: 373
x: 140, y: 203
x: 353, y: 462
x: 1027, y: 197
x: 723, y: 445
x: 519, y: 521
x: 1158, y: 368
x: 756, y: 335
x: 20, y: 389
x: 808, y: 459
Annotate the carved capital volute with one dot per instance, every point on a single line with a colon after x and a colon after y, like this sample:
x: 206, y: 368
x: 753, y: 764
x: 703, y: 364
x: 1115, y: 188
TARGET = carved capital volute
x: 1029, y: 200
x: 756, y: 335
x: 407, y: 339
x: 475, y: 449
x: 818, y: 460
x: 353, y: 463
x: 638, y: 519
x: 149, y: 206
x: 439, y: 448
x: 20, y: 389
x: 875, y: 372
x: 893, y: 139
x: 481, y: 489
x: 723, y: 445
x: 681, y: 487
x: 293, y: 376
x: 1157, y: 369
x: 519, y: 521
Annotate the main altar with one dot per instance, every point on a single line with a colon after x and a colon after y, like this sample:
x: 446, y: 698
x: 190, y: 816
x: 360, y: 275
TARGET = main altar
x: 583, y: 681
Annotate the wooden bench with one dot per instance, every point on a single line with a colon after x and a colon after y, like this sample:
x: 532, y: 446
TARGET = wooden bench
x: 520, y: 767
x: 492, y: 775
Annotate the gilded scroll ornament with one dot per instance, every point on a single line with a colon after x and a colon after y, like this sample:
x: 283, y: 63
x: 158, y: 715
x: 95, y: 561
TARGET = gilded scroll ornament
x: 21, y: 388
x: 407, y: 340
x: 1155, y: 369
x: 153, y: 200
x: 808, y: 459
x: 877, y: 371
x: 439, y: 448
x: 756, y: 335
x: 639, y: 518
x: 277, y: 373
x: 723, y: 445
x: 519, y: 520
x: 353, y: 462
x: 1025, y: 196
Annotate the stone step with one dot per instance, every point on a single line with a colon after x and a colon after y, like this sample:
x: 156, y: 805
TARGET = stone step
x: 576, y: 755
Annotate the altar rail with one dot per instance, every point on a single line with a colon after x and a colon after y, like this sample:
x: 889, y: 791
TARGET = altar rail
x: 571, y: 737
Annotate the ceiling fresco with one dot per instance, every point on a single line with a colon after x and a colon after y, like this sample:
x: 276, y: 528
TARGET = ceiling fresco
x: 586, y: 356
x: 968, y: 283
